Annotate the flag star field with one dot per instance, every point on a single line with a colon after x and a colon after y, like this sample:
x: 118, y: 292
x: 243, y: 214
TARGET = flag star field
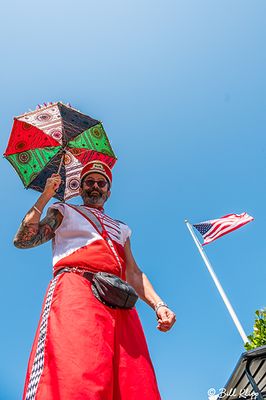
x: 203, y: 228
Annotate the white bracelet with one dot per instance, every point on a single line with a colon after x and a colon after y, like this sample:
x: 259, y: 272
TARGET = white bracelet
x: 160, y: 304
x: 37, y: 209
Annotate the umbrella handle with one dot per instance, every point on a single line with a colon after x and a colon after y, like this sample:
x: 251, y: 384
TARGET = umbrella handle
x: 61, y: 162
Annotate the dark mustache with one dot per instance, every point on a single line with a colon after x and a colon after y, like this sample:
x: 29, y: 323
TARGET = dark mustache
x: 89, y: 192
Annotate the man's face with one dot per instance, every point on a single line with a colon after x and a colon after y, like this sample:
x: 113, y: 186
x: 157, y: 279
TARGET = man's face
x: 91, y: 192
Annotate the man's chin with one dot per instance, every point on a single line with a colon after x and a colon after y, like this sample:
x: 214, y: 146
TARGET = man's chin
x: 95, y: 200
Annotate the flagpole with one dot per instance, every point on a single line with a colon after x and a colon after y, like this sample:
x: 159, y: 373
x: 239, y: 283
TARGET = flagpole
x: 218, y: 285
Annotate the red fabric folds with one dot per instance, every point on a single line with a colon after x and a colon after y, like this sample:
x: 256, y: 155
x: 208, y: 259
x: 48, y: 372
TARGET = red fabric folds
x: 90, y: 352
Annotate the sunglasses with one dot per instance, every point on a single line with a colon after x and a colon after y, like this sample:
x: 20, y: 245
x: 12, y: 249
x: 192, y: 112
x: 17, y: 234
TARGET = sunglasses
x: 90, y: 182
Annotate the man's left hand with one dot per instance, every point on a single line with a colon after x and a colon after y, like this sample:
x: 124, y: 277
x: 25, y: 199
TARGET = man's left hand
x: 166, y: 319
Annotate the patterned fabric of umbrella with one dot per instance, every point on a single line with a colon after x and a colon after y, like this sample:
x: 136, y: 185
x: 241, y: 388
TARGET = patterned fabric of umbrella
x: 52, y: 137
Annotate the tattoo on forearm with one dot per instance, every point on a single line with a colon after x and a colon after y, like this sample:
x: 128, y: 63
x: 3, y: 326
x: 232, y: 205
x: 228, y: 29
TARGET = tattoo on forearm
x: 32, y: 235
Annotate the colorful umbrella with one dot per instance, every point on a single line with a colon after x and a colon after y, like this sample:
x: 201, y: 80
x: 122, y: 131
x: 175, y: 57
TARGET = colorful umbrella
x: 56, y: 138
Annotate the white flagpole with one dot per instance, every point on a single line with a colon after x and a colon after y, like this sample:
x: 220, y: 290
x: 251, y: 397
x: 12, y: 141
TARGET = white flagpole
x: 218, y: 285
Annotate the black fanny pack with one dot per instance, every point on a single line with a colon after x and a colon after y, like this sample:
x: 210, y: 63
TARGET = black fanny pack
x: 113, y: 291
x: 108, y: 288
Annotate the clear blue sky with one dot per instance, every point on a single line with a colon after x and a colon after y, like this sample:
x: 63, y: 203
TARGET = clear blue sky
x: 180, y: 88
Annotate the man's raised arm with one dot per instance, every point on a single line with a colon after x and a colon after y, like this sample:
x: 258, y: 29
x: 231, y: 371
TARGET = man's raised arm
x: 33, y: 232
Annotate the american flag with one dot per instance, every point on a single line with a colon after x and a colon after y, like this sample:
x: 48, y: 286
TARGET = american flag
x: 215, y: 228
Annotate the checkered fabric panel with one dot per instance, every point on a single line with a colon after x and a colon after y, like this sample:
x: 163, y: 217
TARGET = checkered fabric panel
x: 38, y: 362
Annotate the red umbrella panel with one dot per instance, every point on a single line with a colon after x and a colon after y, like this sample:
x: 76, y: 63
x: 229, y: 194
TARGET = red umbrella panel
x: 52, y: 137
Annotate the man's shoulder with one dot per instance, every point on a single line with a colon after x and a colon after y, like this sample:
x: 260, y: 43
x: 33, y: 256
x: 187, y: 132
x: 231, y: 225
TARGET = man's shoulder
x: 57, y: 208
x: 125, y: 229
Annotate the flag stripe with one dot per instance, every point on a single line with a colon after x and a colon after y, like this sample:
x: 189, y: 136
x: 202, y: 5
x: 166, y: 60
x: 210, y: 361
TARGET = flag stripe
x: 216, y: 228
x: 224, y: 233
x: 236, y: 221
x: 219, y: 227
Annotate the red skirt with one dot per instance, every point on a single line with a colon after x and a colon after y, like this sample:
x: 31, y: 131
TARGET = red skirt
x: 84, y: 350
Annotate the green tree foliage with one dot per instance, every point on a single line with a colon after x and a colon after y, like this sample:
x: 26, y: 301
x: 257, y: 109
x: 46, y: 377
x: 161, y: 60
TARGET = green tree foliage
x: 258, y: 337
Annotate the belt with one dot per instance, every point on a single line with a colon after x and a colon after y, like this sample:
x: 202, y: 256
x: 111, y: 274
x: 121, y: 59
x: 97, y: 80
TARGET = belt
x: 76, y: 270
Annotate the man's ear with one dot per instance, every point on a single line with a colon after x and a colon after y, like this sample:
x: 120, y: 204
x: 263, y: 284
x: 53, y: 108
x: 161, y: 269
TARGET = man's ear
x: 108, y: 193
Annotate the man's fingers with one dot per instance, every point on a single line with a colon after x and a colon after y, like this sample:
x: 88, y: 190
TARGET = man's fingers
x: 165, y: 325
x: 166, y: 319
x: 53, y: 183
x: 162, y: 328
x: 55, y: 176
x: 57, y: 180
x: 164, y: 322
x: 54, y: 180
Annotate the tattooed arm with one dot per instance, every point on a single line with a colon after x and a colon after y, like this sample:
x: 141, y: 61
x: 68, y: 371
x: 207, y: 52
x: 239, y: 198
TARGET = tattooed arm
x: 32, y: 232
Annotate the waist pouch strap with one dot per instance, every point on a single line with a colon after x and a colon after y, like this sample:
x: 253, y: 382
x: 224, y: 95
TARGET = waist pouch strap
x: 86, y: 274
x: 108, y: 288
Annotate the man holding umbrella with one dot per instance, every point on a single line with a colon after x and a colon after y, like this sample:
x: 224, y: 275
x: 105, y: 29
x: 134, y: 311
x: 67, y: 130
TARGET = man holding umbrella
x: 84, y: 349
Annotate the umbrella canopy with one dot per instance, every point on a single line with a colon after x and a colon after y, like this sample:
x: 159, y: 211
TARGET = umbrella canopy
x: 56, y: 138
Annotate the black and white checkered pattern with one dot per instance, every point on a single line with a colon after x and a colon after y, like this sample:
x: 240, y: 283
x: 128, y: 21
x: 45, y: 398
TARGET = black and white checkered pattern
x: 38, y: 362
